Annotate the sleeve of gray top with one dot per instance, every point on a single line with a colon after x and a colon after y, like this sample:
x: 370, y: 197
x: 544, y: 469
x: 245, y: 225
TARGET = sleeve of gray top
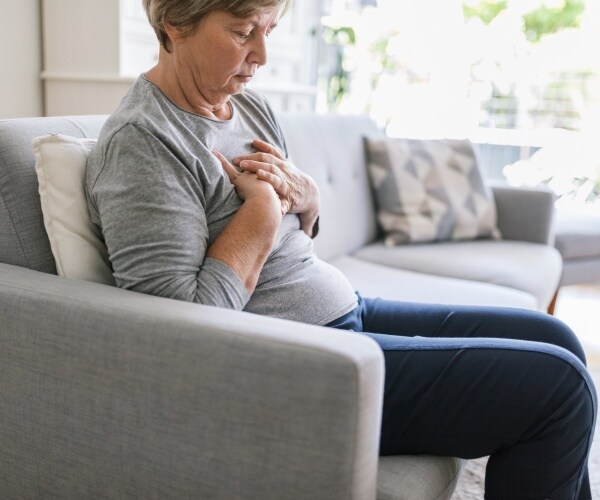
x: 152, y: 211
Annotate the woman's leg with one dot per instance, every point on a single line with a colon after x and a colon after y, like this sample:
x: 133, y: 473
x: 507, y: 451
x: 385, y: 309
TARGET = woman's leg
x: 433, y: 320
x: 463, y: 389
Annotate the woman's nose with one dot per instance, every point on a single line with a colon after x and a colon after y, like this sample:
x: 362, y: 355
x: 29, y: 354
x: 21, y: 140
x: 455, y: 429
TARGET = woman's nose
x: 258, y: 55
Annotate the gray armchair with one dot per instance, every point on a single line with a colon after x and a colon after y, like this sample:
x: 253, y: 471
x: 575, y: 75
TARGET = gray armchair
x: 108, y: 393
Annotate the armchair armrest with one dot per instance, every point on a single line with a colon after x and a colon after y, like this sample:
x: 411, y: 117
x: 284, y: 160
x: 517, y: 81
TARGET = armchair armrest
x: 108, y: 393
x: 525, y: 214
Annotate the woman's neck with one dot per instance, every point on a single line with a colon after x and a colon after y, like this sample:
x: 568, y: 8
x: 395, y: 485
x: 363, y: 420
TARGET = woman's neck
x: 186, y: 95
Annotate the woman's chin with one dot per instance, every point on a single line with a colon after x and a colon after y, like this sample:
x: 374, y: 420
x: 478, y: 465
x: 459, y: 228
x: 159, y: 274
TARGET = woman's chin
x: 238, y: 88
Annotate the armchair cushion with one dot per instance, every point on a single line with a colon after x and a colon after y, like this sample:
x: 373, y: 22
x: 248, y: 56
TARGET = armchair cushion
x: 412, y: 479
x: 76, y: 242
x: 429, y: 191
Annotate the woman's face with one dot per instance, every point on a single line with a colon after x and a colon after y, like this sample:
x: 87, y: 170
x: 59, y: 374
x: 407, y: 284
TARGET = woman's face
x: 223, y: 52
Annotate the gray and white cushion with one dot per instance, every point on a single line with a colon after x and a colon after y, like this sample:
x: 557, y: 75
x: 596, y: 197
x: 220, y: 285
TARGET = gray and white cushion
x: 429, y: 190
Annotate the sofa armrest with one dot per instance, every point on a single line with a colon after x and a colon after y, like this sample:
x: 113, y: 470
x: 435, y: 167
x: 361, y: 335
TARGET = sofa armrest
x: 108, y: 393
x: 525, y: 214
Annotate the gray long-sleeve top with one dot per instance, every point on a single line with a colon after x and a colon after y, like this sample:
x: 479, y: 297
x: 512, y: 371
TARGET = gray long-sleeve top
x: 160, y: 198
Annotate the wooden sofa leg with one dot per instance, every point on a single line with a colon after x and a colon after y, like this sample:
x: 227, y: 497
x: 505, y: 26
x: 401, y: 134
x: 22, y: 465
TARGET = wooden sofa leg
x: 553, y: 303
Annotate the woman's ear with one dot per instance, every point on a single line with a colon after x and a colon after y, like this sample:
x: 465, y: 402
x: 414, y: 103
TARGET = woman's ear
x: 173, y: 32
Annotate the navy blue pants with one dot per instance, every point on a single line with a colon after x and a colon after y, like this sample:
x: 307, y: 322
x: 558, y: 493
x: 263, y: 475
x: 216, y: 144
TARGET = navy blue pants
x: 476, y: 381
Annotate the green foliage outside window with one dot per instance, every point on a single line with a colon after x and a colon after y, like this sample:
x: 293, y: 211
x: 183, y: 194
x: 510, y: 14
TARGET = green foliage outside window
x: 339, y: 80
x: 536, y: 23
x: 486, y: 10
x: 545, y: 20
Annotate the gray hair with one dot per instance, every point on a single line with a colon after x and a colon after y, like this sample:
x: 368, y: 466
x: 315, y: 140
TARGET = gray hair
x: 186, y: 14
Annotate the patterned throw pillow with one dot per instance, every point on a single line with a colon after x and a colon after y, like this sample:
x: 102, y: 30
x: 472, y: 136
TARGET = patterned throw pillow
x: 429, y: 190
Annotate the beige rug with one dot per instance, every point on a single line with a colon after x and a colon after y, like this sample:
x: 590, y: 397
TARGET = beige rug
x: 470, y: 484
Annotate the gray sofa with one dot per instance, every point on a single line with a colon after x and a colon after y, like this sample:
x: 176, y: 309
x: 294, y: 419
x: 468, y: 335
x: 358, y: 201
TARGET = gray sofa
x: 578, y: 241
x: 108, y: 393
x: 520, y: 270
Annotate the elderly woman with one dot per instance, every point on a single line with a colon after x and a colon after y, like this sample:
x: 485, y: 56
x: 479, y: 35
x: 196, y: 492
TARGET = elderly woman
x: 196, y: 199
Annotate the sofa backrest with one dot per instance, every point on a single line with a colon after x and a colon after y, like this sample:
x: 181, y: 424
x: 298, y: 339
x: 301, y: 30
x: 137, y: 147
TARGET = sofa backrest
x: 23, y: 239
x: 328, y: 147
x: 331, y: 149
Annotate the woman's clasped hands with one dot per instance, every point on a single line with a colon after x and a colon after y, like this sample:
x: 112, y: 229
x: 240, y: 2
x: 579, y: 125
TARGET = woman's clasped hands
x: 297, y: 192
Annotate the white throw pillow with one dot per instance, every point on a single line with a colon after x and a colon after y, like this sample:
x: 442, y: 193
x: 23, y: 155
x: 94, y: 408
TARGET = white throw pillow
x: 76, y: 242
x: 429, y: 190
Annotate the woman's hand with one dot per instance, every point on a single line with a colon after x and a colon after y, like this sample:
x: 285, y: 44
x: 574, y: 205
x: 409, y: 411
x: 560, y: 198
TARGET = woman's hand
x: 297, y: 191
x: 248, y: 185
x: 248, y: 238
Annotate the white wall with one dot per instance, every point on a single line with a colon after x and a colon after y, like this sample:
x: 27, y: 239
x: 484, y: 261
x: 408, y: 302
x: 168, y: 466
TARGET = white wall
x: 20, y: 59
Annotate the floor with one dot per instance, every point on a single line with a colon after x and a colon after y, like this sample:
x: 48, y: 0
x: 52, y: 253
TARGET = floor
x: 579, y: 307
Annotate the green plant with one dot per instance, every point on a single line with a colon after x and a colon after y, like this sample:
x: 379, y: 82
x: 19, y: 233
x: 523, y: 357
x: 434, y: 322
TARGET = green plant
x: 545, y: 20
x: 338, y: 83
x: 486, y: 10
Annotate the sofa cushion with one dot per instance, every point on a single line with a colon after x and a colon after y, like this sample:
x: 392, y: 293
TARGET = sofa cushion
x: 330, y: 149
x: 76, y: 242
x: 532, y: 268
x: 23, y: 239
x: 413, y: 477
x: 372, y: 279
x: 429, y: 190
x: 577, y: 235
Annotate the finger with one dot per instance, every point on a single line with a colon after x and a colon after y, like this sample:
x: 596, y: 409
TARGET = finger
x: 230, y: 170
x: 279, y: 185
x: 253, y: 166
x: 259, y: 156
x: 275, y: 157
x: 285, y: 207
x: 265, y: 147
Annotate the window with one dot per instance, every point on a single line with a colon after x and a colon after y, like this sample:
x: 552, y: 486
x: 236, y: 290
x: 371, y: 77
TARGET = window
x: 451, y: 65
x: 512, y: 75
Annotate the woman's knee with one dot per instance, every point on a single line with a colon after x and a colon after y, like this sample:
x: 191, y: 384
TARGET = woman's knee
x: 554, y: 331
x: 581, y: 399
x: 522, y: 324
